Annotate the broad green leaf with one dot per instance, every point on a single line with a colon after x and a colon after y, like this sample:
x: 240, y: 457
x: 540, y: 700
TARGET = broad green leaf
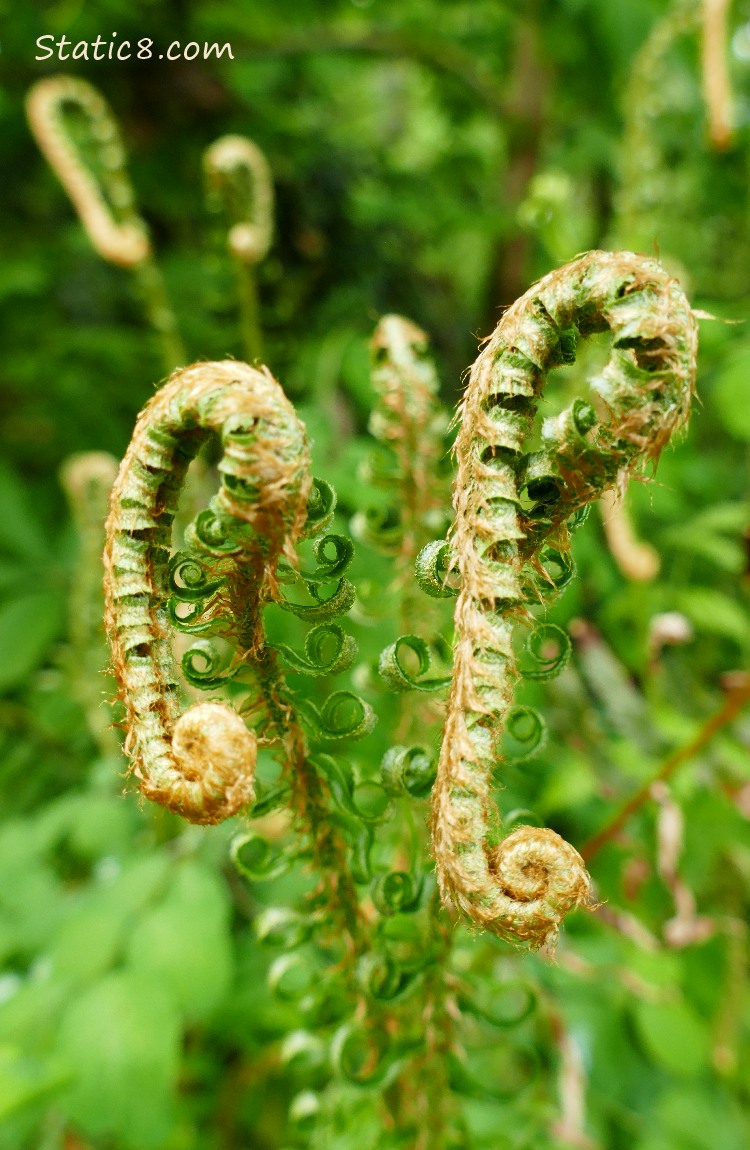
x: 24, y: 1080
x: 673, y: 1035
x: 28, y: 627
x: 29, y: 1016
x: 702, y: 1118
x: 714, y: 613
x: 96, y: 931
x: 20, y: 530
x: 716, y: 534
x: 184, y: 943
x: 121, y: 1041
x: 729, y: 394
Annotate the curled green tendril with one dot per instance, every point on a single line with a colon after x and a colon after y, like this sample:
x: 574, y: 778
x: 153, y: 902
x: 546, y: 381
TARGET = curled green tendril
x: 559, y: 570
x: 269, y: 798
x: 396, y: 892
x: 343, y: 715
x: 407, y: 939
x: 330, y: 567
x: 216, y: 533
x: 292, y: 976
x: 283, y: 926
x: 303, y: 1052
x: 321, y: 504
x: 392, y: 670
x: 368, y: 802
x: 432, y: 568
x: 361, y: 1055
x: 382, y: 978
x: 202, y: 666
x: 503, y: 1006
x: 328, y: 651
x: 381, y: 468
x: 408, y: 771
x: 381, y: 527
x: 525, y: 733
x: 339, y: 602
x: 579, y: 517
x: 258, y: 859
x: 189, y: 617
x: 549, y: 648
x: 358, y: 832
x: 189, y: 581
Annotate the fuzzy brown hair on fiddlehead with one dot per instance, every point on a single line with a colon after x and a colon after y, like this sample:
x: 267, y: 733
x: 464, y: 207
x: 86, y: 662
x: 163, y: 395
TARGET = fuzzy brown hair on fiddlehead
x: 103, y: 198
x: 199, y: 763
x: 522, y: 888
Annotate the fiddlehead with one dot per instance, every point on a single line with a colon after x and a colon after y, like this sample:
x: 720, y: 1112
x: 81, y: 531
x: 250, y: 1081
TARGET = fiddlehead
x: 87, y: 479
x: 522, y: 888
x: 199, y: 763
x: 240, y: 184
x: 79, y: 137
x: 238, y: 174
x: 98, y: 186
x: 409, y: 420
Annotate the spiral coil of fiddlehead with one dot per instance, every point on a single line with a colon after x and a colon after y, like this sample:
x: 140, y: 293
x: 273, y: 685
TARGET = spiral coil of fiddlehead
x: 523, y: 887
x: 199, y: 763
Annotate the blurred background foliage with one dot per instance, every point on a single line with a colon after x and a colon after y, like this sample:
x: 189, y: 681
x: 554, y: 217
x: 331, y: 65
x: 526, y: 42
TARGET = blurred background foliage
x: 430, y: 159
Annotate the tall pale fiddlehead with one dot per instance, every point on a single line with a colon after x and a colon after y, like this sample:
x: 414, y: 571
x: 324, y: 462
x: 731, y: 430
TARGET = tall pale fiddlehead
x: 199, y: 763
x: 87, y: 479
x: 409, y: 420
x: 240, y: 182
x: 79, y: 137
x: 523, y: 887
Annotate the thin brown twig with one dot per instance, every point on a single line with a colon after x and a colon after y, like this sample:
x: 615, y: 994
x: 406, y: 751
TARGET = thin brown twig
x: 738, y: 694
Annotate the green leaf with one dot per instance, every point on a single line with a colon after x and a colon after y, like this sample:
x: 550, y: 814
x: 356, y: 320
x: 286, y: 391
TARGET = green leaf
x: 121, y: 1040
x: 28, y: 627
x: 184, y: 943
x: 716, y: 534
x: 96, y: 931
x: 20, y: 531
x: 713, y: 613
x: 730, y: 395
x: 24, y: 1081
x: 673, y: 1035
